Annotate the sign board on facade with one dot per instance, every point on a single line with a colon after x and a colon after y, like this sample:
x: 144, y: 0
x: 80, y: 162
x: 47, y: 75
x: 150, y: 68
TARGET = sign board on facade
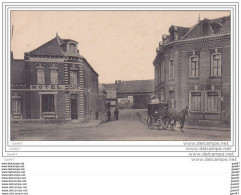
x: 47, y: 87
x: 54, y: 87
x: 155, y: 101
x: 130, y: 98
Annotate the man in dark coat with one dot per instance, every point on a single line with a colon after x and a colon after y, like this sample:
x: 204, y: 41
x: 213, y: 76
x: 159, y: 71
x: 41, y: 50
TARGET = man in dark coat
x: 96, y: 115
x: 108, y: 114
x: 116, y: 113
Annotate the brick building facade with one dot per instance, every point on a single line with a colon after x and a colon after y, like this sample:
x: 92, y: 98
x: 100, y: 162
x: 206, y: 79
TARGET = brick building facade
x: 192, y: 68
x: 53, y: 82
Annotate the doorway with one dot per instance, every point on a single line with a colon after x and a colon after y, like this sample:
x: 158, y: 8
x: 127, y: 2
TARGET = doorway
x: 74, y: 114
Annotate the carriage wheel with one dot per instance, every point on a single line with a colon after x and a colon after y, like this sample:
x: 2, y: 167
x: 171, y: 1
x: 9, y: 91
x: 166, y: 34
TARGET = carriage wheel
x: 159, y: 124
x: 150, y: 121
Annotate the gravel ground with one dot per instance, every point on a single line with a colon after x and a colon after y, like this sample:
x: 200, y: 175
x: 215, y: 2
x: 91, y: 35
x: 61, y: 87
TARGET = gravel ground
x: 129, y: 127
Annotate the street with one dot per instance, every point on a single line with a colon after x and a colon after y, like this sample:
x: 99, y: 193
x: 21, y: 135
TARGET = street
x: 129, y: 127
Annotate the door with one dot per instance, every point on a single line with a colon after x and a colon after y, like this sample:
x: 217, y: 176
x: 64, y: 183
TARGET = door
x: 74, y: 114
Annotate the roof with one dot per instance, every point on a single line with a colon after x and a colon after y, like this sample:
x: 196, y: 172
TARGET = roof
x: 91, y: 68
x: 18, y: 73
x: 52, y: 47
x: 109, y: 85
x: 56, y: 47
x: 181, y: 31
x: 218, y: 26
x: 136, y: 86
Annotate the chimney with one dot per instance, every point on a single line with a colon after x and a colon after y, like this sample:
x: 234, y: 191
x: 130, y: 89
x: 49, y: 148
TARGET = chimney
x: 175, y: 33
x: 164, y: 39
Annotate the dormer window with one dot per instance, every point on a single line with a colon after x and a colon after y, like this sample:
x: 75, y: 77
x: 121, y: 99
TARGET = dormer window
x: 205, y: 28
x: 72, y: 48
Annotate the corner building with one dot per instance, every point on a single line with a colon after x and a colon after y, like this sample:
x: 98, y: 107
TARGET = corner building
x: 192, y: 68
x: 59, y: 83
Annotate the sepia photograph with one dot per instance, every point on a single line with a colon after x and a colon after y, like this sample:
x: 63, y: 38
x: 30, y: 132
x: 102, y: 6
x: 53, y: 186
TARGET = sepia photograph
x: 120, y: 98
x: 120, y: 75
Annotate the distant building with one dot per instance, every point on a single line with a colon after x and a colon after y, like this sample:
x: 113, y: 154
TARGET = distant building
x: 135, y: 94
x: 53, y: 82
x: 102, y: 106
x: 111, y: 89
x: 192, y: 68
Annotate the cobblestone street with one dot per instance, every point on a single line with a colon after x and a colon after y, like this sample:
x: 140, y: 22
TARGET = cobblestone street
x: 129, y: 127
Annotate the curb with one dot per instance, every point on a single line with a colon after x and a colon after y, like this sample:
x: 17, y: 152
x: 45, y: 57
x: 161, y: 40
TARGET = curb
x: 143, y: 119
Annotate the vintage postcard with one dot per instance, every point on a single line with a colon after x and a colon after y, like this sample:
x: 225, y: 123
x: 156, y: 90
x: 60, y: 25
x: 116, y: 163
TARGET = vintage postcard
x: 87, y: 80
x: 120, y: 75
x: 121, y: 80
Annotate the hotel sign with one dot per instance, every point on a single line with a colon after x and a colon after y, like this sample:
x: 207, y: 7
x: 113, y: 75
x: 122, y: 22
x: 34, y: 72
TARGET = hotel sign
x: 47, y: 87
x: 55, y: 87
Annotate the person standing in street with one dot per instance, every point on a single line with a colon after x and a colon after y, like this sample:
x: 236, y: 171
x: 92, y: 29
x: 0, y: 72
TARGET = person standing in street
x: 96, y: 115
x: 108, y: 114
x: 116, y: 113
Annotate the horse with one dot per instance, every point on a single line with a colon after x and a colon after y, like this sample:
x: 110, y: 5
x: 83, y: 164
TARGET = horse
x: 178, y: 116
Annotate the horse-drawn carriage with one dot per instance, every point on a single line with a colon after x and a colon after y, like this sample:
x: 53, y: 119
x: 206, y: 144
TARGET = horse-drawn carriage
x: 161, y: 117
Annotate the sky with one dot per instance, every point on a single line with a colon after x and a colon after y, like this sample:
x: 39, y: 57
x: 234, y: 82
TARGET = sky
x: 119, y: 45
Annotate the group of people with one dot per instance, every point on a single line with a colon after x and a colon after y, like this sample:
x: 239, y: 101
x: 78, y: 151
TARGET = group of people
x: 116, y: 114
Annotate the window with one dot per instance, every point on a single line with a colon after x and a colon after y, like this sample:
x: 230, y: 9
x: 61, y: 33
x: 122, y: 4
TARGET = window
x: 216, y: 64
x: 171, y: 69
x: 162, y: 71
x: 84, y: 76
x: 40, y: 75
x: 212, y: 104
x: 205, y: 29
x: 16, y: 106
x: 54, y: 76
x: 73, y: 77
x: 72, y: 48
x: 193, y: 66
x: 48, y: 103
x: 195, y: 101
x: 87, y: 81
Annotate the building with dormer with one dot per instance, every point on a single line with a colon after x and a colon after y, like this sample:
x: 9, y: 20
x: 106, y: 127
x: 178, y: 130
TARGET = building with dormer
x: 53, y: 82
x: 192, y: 68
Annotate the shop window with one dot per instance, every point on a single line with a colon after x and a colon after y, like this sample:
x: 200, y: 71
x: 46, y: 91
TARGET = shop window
x: 216, y: 64
x: 193, y: 66
x: 73, y: 77
x: 54, y: 76
x: 16, y: 106
x: 48, y: 103
x: 40, y: 75
x: 171, y: 69
x: 195, y: 101
x: 212, y: 102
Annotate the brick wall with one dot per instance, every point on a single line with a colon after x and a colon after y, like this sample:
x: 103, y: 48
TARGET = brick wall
x: 183, y: 84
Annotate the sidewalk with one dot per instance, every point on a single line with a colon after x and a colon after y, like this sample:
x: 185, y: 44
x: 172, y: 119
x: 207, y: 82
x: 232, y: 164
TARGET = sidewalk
x: 74, y: 123
x: 143, y: 116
